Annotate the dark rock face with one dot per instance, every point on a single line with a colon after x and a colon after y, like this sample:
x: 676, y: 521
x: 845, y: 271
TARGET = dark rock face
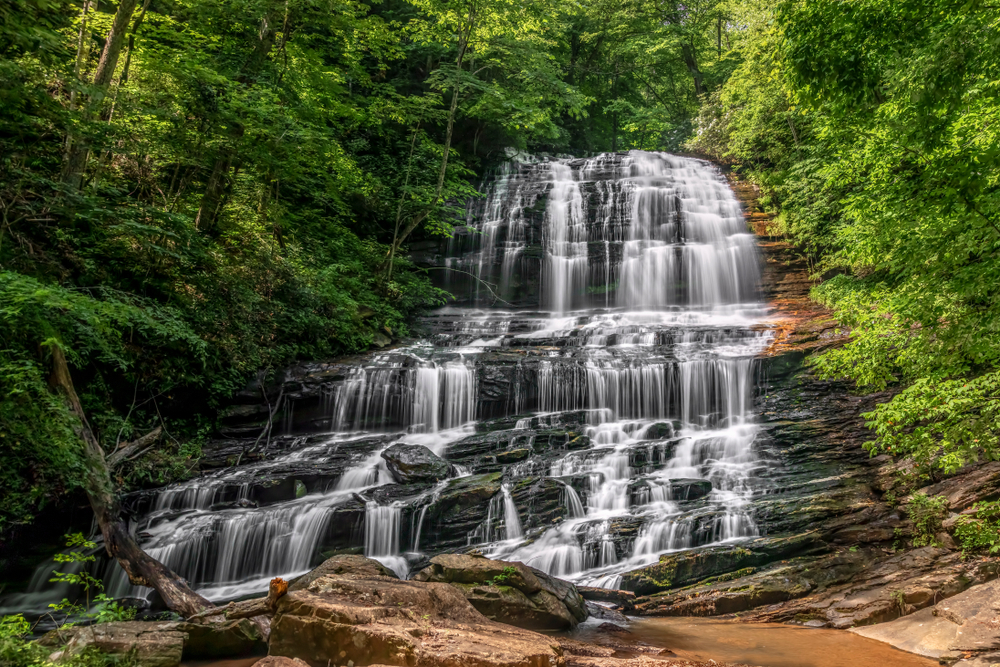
x: 511, y: 593
x: 699, y: 565
x: 461, y: 508
x: 415, y: 463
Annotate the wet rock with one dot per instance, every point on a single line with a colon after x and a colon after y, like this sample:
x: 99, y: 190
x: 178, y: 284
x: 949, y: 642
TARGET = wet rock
x: 539, y: 501
x: 640, y: 490
x: 660, y: 431
x: 460, y: 509
x: 510, y: 592
x: 606, y: 614
x: 621, y: 598
x: 415, y: 463
x: 513, y: 455
x: 688, y: 567
x: 151, y: 644
x: 343, y: 565
x: 611, y: 627
x: 340, y: 619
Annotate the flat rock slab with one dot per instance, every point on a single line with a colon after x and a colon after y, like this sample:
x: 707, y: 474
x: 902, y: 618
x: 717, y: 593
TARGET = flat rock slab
x: 969, y: 621
x: 151, y: 644
x: 163, y: 643
x: 922, y: 633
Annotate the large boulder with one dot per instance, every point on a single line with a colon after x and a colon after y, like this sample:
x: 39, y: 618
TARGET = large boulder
x: 963, y: 625
x: 410, y: 464
x: 151, y: 644
x: 366, y: 619
x: 343, y: 564
x: 689, y: 567
x: 160, y: 644
x: 510, y: 592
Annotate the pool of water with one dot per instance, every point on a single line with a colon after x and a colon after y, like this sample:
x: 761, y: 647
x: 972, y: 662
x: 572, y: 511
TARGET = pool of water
x: 764, y: 644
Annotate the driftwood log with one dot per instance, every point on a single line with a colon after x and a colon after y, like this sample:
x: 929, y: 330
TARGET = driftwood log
x: 265, y: 606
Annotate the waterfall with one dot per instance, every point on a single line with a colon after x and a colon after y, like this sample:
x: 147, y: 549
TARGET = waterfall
x: 511, y: 521
x: 382, y: 524
x: 632, y: 329
x: 573, y: 504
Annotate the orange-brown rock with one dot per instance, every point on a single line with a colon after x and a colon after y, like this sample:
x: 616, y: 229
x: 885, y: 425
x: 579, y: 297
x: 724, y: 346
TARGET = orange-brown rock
x: 368, y: 619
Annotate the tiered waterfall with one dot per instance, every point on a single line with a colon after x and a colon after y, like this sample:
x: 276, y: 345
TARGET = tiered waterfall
x: 592, y: 388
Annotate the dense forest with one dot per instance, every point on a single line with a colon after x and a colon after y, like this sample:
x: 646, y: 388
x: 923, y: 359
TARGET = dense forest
x: 197, y: 193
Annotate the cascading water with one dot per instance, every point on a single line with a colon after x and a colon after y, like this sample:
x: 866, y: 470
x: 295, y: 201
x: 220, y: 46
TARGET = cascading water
x: 622, y: 360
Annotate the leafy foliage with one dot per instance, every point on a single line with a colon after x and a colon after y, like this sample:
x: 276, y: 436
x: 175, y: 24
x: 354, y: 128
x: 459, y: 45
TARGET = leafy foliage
x: 870, y: 127
x: 980, y: 531
x: 927, y: 513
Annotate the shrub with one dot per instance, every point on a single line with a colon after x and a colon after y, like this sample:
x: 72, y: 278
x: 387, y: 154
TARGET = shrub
x: 980, y: 531
x: 927, y: 513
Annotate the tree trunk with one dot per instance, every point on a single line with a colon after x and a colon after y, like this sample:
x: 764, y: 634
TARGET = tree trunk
x: 212, y: 198
x: 687, y: 52
x: 141, y: 568
x: 76, y: 154
x: 134, y: 449
x: 463, y: 43
x: 718, y: 36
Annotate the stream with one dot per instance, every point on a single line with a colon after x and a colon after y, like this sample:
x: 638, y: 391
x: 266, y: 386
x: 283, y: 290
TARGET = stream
x: 764, y: 644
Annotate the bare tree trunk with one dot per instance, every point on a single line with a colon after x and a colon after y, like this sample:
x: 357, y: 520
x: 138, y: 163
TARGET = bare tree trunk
x: 718, y: 36
x: 141, y: 568
x: 209, y: 207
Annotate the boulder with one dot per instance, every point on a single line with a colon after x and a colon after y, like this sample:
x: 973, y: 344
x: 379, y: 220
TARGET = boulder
x: 164, y: 643
x: 603, y: 613
x: 659, y: 431
x: 965, y: 623
x: 410, y: 464
x: 358, y: 619
x: 343, y: 564
x: 624, y: 599
x: 280, y: 661
x: 510, y: 592
x: 688, y: 567
x: 152, y: 644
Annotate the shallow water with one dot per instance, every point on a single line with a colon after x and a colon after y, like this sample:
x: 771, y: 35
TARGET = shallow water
x: 765, y: 644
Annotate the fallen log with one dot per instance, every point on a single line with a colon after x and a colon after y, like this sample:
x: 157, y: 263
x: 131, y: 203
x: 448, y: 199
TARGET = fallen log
x: 141, y: 568
x: 265, y: 606
x: 132, y: 450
